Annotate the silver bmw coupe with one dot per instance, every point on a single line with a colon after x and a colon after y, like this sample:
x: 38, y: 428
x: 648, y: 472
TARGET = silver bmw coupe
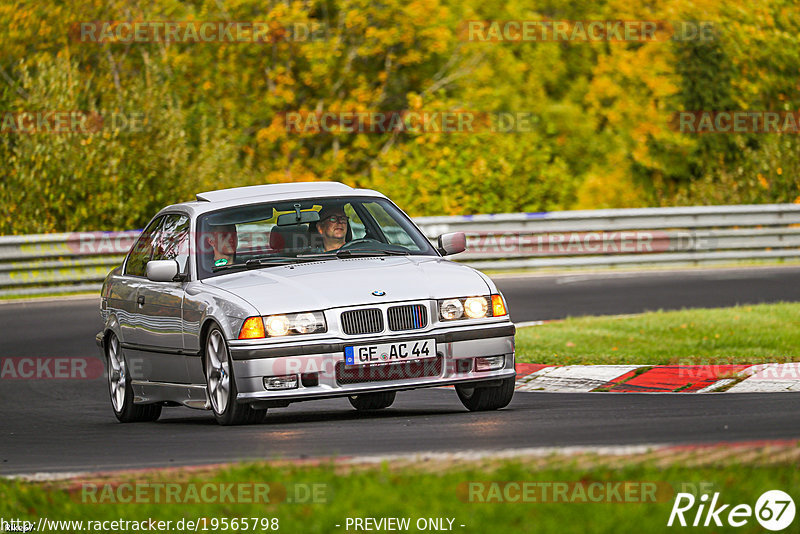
x: 256, y: 297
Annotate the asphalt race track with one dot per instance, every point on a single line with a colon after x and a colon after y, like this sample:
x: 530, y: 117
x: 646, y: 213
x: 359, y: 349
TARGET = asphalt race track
x: 67, y: 425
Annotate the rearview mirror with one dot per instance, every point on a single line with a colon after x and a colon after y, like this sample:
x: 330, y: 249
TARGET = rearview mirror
x: 452, y: 243
x: 162, y: 270
x: 300, y: 217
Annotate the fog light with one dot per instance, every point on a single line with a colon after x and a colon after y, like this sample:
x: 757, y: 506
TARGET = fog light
x: 280, y: 382
x: 490, y: 363
x: 309, y: 380
x: 464, y: 365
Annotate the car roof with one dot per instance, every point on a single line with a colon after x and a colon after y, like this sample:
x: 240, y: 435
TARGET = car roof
x: 255, y: 194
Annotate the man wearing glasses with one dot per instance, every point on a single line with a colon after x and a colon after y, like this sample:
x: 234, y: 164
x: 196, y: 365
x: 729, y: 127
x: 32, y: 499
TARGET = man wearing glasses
x: 332, y: 227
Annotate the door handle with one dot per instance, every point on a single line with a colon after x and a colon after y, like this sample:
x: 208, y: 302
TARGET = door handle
x: 140, y: 300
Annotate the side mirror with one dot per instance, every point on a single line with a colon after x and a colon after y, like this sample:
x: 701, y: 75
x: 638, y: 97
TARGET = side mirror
x: 162, y: 270
x: 452, y: 243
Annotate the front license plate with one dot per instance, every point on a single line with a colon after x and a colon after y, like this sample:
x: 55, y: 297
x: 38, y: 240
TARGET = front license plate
x: 390, y: 352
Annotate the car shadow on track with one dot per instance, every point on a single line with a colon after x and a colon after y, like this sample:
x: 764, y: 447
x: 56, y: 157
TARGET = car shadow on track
x: 327, y: 416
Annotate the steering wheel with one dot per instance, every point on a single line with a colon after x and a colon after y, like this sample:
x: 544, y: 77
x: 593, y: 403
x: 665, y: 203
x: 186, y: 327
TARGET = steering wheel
x: 359, y: 241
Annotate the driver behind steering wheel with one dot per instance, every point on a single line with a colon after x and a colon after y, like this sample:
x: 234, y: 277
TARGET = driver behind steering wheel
x: 332, y: 227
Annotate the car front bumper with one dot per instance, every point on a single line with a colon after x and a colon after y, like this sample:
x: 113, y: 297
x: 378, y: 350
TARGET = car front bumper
x: 319, y: 365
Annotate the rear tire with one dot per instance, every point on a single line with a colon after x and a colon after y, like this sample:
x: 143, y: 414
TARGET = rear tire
x: 372, y: 401
x: 478, y: 399
x: 120, y: 390
x: 221, y: 384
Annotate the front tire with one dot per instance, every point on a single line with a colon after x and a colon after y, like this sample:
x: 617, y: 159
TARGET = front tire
x: 221, y: 384
x: 372, y: 401
x: 480, y: 399
x: 120, y: 390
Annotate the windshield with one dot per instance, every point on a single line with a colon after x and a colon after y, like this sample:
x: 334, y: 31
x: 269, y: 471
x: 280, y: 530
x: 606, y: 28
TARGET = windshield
x: 280, y: 233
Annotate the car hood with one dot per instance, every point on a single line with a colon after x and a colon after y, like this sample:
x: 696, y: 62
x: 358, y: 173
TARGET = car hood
x: 350, y: 282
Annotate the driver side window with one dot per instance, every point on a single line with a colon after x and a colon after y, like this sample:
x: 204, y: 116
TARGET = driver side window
x: 142, y: 250
x: 173, y: 241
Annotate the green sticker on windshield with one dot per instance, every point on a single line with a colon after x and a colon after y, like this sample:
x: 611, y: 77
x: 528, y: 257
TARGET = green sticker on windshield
x: 220, y: 262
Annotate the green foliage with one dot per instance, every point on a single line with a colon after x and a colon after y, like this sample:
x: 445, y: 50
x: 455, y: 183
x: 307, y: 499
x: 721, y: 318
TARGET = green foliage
x: 213, y: 110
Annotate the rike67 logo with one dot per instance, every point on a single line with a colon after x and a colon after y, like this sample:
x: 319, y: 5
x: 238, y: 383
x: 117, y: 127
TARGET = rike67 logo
x: 774, y: 510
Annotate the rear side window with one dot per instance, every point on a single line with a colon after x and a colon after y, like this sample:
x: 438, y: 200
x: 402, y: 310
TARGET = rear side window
x: 143, y: 249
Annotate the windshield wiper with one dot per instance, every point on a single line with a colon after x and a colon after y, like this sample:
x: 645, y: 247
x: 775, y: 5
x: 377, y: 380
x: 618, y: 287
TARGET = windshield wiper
x: 255, y: 263
x: 351, y: 253
x: 370, y: 252
x: 317, y: 256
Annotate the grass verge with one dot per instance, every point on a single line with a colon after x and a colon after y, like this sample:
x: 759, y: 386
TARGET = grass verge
x: 761, y: 333
x: 440, y: 489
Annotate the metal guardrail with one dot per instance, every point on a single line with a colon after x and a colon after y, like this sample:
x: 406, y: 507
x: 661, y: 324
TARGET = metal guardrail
x: 625, y: 237
x: 77, y: 262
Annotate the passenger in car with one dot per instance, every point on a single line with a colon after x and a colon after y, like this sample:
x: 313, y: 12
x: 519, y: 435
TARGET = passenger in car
x: 223, y: 240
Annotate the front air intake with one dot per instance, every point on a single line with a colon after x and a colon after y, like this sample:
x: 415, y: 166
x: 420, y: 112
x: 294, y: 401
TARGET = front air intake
x: 366, y: 321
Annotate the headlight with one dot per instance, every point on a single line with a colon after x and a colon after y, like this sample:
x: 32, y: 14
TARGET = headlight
x: 277, y: 325
x: 476, y: 307
x: 306, y: 323
x: 295, y: 323
x: 284, y: 325
x: 451, y: 309
x: 472, y: 307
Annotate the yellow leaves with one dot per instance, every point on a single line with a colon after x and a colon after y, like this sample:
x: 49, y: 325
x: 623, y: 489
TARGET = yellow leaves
x: 609, y: 188
x: 272, y: 133
x: 419, y: 10
x: 411, y: 58
x: 604, y: 87
x: 478, y: 167
x: 355, y: 18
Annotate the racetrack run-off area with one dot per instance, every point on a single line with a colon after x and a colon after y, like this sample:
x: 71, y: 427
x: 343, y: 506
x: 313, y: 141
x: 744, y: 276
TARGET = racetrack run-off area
x: 734, y: 378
